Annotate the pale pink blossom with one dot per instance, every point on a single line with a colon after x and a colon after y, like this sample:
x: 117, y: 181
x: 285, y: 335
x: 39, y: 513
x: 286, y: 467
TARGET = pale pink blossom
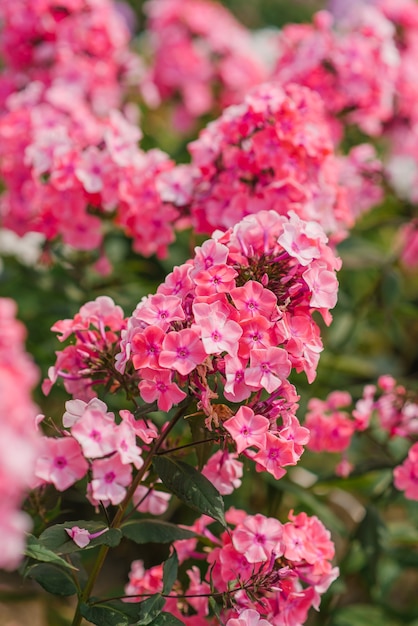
x: 61, y: 462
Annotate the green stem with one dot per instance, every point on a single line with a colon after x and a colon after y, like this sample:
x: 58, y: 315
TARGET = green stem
x: 119, y: 517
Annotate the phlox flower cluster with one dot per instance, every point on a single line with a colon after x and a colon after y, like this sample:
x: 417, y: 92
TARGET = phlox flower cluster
x: 268, y: 572
x: 273, y: 151
x: 96, y: 331
x: 72, y: 175
x: 19, y: 441
x: 93, y: 442
x: 77, y: 49
x: 230, y: 325
x: 353, y: 64
x: 201, y: 58
x: 393, y: 408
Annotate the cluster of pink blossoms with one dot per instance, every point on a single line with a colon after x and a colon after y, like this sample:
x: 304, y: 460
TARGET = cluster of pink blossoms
x: 198, y: 50
x: 19, y: 441
x: 269, y: 573
x: 273, y: 151
x: 89, y: 360
x: 77, y: 49
x: 395, y: 410
x: 353, y: 66
x: 69, y: 158
x: 240, y: 314
x: 69, y: 173
x: 94, y: 441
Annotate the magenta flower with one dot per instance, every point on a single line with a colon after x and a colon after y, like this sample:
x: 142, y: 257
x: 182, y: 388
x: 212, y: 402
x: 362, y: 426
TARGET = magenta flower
x: 61, y: 463
x: 257, y: 538
x: 81, y: 536
x: 247, y: 429
x: 268, y: 368
x: 110, y: 477
x: 182, y: 351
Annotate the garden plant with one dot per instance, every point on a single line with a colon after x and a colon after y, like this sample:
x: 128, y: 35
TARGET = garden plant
x: 209, y: 312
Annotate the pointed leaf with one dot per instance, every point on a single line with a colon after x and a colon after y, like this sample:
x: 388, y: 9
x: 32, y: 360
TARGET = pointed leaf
x: 103, y: 615
x: 36, y: 550
x: 149, y: 609
x: 53, y: 579
x: 191, y: 487
x: 170, y: 570
x: 154, y: 531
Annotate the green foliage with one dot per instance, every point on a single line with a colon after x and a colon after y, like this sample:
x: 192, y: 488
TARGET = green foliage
x: 53, y: 579
x: 190, y: 486
x: 154, y: 531
x: 170, y: 572
x: 36, y: 550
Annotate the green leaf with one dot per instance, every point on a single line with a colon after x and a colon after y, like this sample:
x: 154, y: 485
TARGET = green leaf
x: 166, y: 619
x: 215, y: 609
x: 154, y: 531
x: 191, y: 487
x: 200, y: 433
x: 149, y: 609
x: 36, y: 550
x: 56, y: 538
x: 170, y: 570
x: 52, y: 579
x: 103, y: 615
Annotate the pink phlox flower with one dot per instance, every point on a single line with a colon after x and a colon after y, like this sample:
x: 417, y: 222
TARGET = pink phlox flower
x: 219, y: 334
x: 61, y: 462
x: 235, y: 388
x: 178, y: 282
x: 125, y: 445
x: 158, y: 385
x: 75, y: 410
x: 91, y: 168
x: 177, y: 185
x: 330, y: 429
x: 81, y: 536
x: 323, y: 284
x: 268, y: 367
x: 207, y: 255
x: 160, y: 310
x: 257, y: 333
x: 301, y: 239
x: 216, y: 279
x: 293, y: 431
x: 258, y: 537
x: 133, y: 326
x: 145, y: 430
x: 275, y: 455
x: 247, y: 429
x: 248, y: 617
x: 146, y: 347
x: 102, y: 312
x: 196, y: 587
x: 224, y: 471
x: 253, y: 299
x: 406, y: 475
x: 110, y: 477
x: 143, y: 581
x: 95, y: 432
x: 149, y: 500
x: 182, y: 351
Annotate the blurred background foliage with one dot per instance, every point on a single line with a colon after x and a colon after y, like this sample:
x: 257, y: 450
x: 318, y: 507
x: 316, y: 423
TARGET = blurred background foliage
x: 375, y: 331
